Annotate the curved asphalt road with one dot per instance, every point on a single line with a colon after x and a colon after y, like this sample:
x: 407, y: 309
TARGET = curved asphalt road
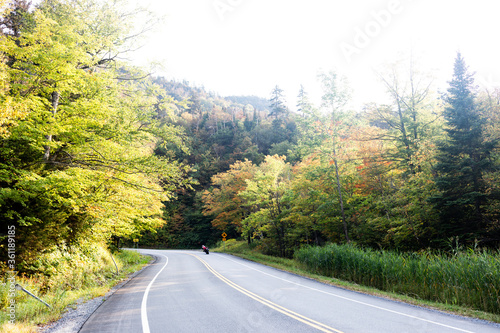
x: 188, y: 291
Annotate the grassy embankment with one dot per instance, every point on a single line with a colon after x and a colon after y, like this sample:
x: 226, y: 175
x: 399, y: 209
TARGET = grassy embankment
x: 76, y: 275
x: 466, y: 283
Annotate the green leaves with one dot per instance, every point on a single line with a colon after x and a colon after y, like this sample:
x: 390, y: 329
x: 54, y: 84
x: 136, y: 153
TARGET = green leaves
x: 81, y: 164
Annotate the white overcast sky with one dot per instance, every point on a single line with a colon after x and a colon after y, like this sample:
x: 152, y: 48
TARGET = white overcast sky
x: 246, y: 47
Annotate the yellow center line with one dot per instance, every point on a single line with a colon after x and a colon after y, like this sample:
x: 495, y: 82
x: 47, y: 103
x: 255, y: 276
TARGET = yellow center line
x: 279, y: 308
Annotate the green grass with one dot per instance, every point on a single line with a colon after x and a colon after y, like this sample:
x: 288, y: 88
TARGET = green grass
x: 76, y: 277
x: 464, y: 284
x: 469, y: 278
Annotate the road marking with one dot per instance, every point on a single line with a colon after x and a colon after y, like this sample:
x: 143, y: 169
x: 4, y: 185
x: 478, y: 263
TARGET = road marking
x: 144, y: 312
x: 279, y: 308
x: 353, y: 300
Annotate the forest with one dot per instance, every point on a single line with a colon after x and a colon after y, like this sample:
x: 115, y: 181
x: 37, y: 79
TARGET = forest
x: 95, y: 150
x: 418, y: 173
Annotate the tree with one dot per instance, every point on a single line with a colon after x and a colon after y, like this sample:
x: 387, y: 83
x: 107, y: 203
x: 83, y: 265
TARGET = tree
x: 335, y: 96
x: 408, y: 122
x: 322, y: 130
x: 263, y: 196
x: 277, y: 104
x: 304, y: 104
x: 13, y: 16
x: 463, y: 160
x: 16, y: 16
x: 222, y: 200
x: 490, y: 109
x: 311, y: 213
x: 81, y: 164
x: 309, y: 140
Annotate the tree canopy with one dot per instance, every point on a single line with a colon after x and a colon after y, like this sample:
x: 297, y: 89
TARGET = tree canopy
x: 80, y: 162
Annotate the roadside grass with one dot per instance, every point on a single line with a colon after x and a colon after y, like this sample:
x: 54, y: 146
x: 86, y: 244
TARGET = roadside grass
x: 76, y: 279
x: 311, y: 270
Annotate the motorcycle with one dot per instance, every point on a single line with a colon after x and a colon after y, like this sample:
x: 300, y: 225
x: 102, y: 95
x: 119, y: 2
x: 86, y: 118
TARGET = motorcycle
x: 205, y: 249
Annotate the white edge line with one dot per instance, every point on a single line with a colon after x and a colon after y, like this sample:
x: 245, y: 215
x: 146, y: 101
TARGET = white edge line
x: 144, y: 312
x: 352, y: 300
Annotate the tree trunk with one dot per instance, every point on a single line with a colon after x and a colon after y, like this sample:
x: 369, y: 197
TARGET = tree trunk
x: 404, y: 135
x: 55, y: 103
x: 339, y: 188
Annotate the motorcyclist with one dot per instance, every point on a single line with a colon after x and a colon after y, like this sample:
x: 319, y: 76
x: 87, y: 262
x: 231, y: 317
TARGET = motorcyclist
x: 204, y: 248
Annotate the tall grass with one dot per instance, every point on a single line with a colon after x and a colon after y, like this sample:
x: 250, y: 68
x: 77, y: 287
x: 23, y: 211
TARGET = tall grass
x: 468, y: 278
x: 62, y: 278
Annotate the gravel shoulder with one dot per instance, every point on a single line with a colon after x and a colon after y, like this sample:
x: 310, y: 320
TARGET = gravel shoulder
x: 72, y: 320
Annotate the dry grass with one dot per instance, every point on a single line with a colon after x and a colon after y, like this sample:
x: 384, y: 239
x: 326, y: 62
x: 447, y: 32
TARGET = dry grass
x: 74, y: 278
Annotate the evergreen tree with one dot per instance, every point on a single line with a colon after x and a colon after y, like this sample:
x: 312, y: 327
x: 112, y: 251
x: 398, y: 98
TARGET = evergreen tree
x: 304, y: 105
x: 278, y: 106
x: 462, y: 160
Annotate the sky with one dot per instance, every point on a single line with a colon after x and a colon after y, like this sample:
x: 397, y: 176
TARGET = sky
x: 247, y: 47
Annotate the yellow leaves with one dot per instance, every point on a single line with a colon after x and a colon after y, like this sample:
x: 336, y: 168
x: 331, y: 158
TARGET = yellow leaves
x: 187, y: 117
x: 10, y: 113
x: 130, y: 205
x: 4, y: 9
x: 11, y: 110
x: 102, y: 174
x: 266, y: 188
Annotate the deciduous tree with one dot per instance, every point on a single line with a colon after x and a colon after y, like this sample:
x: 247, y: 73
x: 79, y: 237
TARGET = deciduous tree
x: 81, y: 163
x: 263, y: 195
x: 223, y: 202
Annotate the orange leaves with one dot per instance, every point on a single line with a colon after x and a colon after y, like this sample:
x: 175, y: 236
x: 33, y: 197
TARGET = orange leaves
x: 222, y: 200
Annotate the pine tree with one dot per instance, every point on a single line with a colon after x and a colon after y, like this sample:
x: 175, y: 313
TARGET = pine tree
x: 304, y: 105
x: 277, y: 103
x: 462, y: 160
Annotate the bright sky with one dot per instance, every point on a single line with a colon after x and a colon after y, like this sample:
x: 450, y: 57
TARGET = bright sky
x: 246, y: 47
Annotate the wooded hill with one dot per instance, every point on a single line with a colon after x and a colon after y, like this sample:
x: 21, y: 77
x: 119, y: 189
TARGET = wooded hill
x: 421, y: 172
x: 219, y: 133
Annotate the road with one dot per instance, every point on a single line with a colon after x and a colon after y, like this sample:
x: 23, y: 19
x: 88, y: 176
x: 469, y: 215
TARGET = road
x: 188, y: 291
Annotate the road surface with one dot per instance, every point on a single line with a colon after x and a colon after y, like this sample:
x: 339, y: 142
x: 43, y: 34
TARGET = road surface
x: 188, y: 291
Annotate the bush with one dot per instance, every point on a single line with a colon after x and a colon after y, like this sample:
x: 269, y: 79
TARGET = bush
x: 62, y: 277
